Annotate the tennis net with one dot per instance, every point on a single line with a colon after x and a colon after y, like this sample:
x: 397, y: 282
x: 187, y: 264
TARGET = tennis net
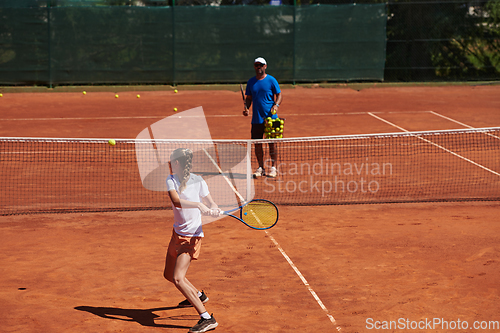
x: 40, y: 175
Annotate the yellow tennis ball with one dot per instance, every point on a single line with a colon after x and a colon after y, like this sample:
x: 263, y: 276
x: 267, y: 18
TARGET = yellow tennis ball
x: 84, y: 92
x: 138, y: 96
x: 175, y: 91
x: 175, y: 109
x: 112, y: 142
x: 116, y: 96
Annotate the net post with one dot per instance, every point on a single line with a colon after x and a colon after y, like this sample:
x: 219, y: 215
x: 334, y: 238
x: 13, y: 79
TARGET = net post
x: 173, y: 43
x: 294, y: 71
x: 249, y: 171
x: 49, y: 33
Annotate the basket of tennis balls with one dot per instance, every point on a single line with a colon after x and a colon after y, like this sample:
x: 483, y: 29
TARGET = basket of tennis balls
x: 274, y: 128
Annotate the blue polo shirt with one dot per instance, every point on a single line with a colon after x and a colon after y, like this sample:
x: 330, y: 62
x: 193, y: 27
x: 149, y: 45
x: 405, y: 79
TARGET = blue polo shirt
x: 262, y: 92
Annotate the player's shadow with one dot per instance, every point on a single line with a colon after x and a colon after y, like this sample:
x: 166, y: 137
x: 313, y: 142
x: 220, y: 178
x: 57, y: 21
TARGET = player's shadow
x: 145, y: 317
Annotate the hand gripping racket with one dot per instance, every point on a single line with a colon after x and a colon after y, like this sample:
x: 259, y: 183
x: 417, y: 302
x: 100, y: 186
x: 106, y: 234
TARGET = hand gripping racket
x: 257, y: 214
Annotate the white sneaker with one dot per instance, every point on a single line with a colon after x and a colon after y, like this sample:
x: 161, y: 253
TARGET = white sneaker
x: 273, y: 173
x: 258, y: 173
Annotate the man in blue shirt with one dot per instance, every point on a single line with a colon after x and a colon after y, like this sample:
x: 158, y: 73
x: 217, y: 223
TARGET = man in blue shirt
x: 264, y: 92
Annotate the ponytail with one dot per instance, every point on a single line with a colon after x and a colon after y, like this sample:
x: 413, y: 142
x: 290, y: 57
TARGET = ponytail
x: 185, y: 158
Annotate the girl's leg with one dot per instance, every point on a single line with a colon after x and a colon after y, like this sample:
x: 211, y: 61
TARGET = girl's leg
x: 182, y: 283
x: 168, y: 273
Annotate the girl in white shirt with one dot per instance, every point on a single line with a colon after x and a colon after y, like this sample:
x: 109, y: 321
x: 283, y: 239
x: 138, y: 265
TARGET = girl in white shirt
x: 190, y: 198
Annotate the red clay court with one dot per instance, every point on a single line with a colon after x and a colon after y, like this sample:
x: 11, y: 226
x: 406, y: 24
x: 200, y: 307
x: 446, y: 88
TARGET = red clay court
x: 322, y: 268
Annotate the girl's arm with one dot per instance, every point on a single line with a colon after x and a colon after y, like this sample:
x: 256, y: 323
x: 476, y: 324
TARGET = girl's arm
x: 214, y: 209
x: 210, y: 202
x: 181, y: 203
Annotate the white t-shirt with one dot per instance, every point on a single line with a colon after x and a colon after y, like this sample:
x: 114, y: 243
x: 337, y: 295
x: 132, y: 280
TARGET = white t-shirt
x: 187, y: 221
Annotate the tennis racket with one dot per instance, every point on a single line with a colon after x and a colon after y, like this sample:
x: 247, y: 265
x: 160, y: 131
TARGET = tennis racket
x: 257, y: 214
x: 243, y: 96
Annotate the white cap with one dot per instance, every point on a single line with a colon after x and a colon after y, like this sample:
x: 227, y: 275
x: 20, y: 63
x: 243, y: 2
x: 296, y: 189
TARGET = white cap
x: 261, y: 60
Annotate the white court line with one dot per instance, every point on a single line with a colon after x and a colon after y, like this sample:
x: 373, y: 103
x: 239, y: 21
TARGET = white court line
x: 304, y: 281
x: 290, y: 262
x: 461, y: 124
x: 82, y: 118
x: 435, y: 144
x: 206, y: 116
x: 450, y: 119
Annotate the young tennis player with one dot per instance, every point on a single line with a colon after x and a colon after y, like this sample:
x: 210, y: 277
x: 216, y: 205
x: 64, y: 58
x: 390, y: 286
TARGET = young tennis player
x: 188, y: 192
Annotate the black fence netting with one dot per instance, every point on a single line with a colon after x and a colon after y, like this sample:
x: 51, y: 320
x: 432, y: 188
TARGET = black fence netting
x: 189, y: 44
x: 53, y: 42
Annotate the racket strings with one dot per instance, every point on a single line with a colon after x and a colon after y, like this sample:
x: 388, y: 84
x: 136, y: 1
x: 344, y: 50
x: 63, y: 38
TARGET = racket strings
x: 260, y: 214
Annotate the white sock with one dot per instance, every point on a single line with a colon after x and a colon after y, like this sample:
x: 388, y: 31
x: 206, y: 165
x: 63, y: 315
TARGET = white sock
x: 205, y: 315
x: 199, y: 294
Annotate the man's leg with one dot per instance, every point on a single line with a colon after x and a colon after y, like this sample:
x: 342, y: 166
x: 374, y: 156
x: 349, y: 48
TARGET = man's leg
x: 259, y: 153
x: 258, y: 134
x: 274, y: 154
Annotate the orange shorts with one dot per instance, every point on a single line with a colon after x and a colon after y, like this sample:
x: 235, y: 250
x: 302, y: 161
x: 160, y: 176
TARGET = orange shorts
x: 183, y: 244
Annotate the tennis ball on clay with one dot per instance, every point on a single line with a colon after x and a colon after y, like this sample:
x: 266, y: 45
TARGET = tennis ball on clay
x: 84, y: 92
x: 116, y: 96
x: 138, y: 96
x: 112, y: 142
x: 175, y: 109
x: 175, y: 91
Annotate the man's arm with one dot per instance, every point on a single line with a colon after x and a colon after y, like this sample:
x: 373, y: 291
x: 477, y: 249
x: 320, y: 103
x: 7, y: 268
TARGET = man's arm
x: 277, y: 103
